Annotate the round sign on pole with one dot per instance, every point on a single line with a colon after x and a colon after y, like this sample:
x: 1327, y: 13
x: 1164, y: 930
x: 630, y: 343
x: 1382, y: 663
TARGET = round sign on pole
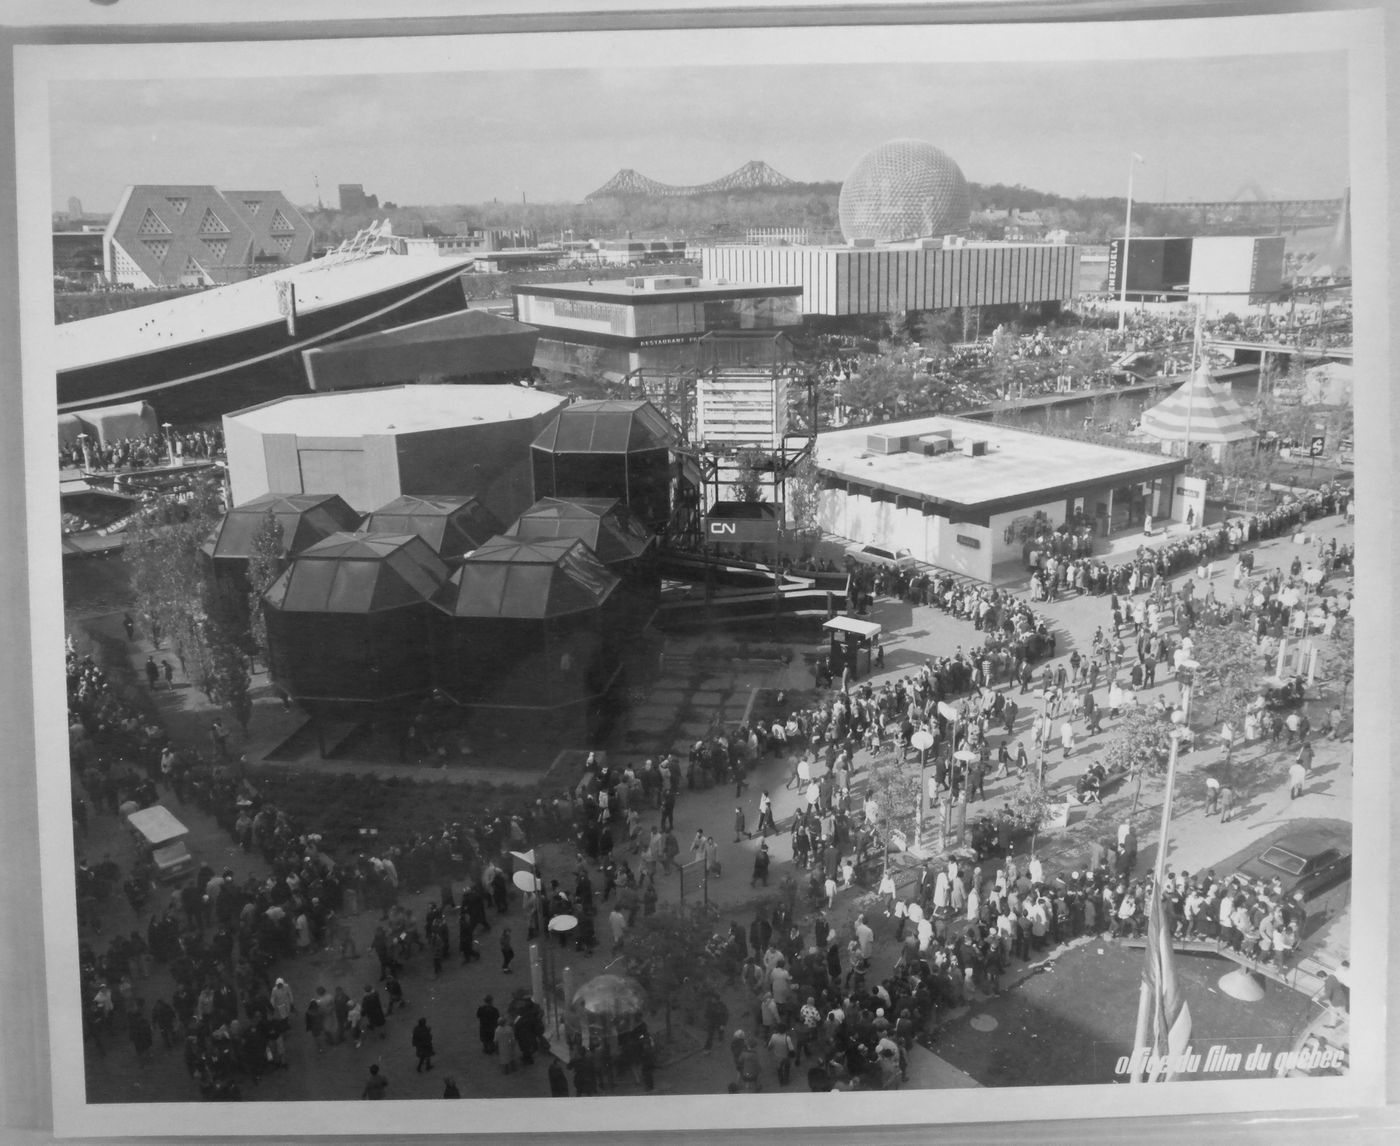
x: 922, y: 740
x: 947, y: 711
x: 562, y: 923
x: 526, y: 881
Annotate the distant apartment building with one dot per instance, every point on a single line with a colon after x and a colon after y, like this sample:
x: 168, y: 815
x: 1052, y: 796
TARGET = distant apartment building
x: 197, y: 235
x: 469, y: 240
x: 776, y: 235
x: 1010, y: 225
x: 354, y: 201
x: 635, y: 252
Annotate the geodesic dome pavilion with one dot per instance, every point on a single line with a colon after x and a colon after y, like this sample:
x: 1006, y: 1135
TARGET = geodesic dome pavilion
x: 904, y: 189
x: 528, y: 624
x: 348, y: 621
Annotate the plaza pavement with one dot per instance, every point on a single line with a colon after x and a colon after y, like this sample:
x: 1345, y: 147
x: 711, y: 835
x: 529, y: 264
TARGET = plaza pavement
x: 720, y: 692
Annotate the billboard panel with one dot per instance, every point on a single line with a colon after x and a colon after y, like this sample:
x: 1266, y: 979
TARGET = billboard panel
x: 1145, y: 265
x: 1222, y: 264
x: 1176, y: 263
x: 1268, y: 265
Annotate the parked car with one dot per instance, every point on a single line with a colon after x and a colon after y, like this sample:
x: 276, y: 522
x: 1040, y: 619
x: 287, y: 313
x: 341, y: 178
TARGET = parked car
x: 879, y: 555
x: 1311, y: 860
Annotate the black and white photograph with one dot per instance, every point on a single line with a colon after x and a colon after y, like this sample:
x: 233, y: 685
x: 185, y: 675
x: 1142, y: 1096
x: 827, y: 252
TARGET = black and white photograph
x: 724, y: 564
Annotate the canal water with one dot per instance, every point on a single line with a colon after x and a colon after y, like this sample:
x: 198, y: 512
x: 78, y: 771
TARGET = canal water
x: 1126, y: 404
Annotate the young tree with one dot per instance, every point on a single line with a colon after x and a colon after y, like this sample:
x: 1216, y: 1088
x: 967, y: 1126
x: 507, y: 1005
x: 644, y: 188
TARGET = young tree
x: 937, y: 331
x: 803, y: 485
x: 170, y: 578
x: 895, y: 787
x: 1029, y: 805
x: 228, y: 672
x: 901, y: 327
x: 1003, y: 365
x: 1088, y: 358
x: 1228, y: 677
x: 1339, y: 659
x: 1141, y: 743
x: 752, y: 476
x: 265, y: 565
x: 667, y: 954
x: 1141, y: 746
x: 881, y: 386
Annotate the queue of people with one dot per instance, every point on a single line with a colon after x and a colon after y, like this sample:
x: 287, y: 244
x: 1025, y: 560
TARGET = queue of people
x: 145, y: 452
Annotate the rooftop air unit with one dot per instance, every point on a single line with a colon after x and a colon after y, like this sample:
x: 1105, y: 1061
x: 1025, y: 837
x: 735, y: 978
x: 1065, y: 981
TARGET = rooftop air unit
x: 975, y: 449
x: 662, y: 282
x: 886, y: 444
x: 935, y: 444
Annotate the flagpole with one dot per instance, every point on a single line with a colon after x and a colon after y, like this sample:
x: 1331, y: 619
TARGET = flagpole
x: 1127, y: 238
x: 1197, y: 362
x: 1158, y: 875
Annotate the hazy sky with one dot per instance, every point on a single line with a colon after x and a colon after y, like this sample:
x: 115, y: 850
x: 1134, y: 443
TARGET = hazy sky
x: 1206, y: 128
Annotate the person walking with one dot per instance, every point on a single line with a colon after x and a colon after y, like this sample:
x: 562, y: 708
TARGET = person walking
x: 1227, y: 803
x: 376, y: 1084
x: 739, y: 831
x: 1305, y: 757
x: 423, y: 1046
x: 765, y: 815
x: 1297, y: 778
x: 558, y: 1080
x: 316, y: 1026
x: 507, y: 951
x: 760, y: 865
x: 505, y: 1045
x: 1212, y: 795
x: 487, y: 1018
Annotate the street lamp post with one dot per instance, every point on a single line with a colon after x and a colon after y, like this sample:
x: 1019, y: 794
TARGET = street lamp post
x: 169, y: 441
x: 1044, y: 734
x: 1127, y: 238
x: 923, y: 741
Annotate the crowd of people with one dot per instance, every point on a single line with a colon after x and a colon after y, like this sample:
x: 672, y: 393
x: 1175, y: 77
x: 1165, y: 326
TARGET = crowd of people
x: 147, y: 451
x: 225, y: 939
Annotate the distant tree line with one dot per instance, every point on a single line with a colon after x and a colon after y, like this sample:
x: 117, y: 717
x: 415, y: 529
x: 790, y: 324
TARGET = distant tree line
x: 728, y: 214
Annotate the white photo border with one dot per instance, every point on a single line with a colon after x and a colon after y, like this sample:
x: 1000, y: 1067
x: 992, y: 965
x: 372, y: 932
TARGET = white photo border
x: 1358, y: 33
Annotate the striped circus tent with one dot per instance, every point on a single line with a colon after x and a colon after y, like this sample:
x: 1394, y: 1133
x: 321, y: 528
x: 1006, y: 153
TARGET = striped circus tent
x: 1202, y: 409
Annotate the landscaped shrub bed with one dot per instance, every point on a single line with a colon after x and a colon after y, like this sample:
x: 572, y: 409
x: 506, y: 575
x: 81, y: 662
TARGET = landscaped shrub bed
x: 339, y: 806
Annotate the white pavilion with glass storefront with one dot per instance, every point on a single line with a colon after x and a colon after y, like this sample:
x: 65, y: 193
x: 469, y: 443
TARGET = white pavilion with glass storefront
x: 953, y: 492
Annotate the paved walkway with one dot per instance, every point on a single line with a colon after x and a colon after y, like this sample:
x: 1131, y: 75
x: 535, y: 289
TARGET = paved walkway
x: 681, y: 705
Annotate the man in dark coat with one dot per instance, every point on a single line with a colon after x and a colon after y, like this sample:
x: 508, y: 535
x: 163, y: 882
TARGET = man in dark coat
x: 423, y: 1045
x: 487, y: 1018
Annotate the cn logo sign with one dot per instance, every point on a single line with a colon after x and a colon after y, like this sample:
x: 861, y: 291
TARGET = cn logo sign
x: 721, y: 528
